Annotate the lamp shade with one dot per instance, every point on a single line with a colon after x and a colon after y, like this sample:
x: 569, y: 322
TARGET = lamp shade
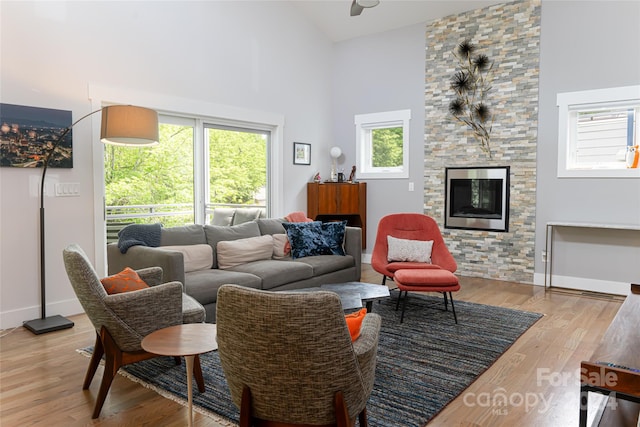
x: 129, y: 125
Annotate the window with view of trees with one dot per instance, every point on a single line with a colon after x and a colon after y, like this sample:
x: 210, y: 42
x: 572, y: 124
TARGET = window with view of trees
x: 382, y: 144
x: 163, y: 184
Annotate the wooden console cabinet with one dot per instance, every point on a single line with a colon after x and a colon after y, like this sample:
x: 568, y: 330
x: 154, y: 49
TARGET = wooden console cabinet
x: 614, y: 368
x: 330, y: 201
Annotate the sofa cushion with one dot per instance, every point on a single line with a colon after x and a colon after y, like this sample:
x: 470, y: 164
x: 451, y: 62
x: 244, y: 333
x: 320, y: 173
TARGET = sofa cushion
x: 243, y: 215
x: 271, y: 225
x: 196, y: 257
x: 125, y: 281
x: 409, y: 250
x: 281, y: 246
x: 242, y: 251
x: 354, y: 322
x: 187, y: 235
x: 323, y: 264
x: 275, y: 273
x: 223, y: 216
x: 315, y: 238
x: 203, y: 284
x: 217, y: 233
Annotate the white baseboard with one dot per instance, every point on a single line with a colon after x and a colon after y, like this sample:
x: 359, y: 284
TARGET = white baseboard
x: 12, y: 318
x: 366, y: 258
x: 585, y: 284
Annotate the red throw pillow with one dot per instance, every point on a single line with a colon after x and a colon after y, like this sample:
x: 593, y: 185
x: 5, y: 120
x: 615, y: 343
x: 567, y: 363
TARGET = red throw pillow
x: 354, y: 321
x: 125, y: 281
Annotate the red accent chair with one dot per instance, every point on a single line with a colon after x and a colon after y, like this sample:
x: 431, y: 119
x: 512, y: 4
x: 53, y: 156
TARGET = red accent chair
x: 415, y: 276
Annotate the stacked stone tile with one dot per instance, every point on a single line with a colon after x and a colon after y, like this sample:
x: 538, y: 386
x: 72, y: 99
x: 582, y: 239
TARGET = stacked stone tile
x: 509, y: 34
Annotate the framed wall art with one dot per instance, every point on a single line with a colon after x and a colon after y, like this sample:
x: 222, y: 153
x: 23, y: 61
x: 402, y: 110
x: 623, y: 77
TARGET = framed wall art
x: 301, y: 153
x: 27, y: 134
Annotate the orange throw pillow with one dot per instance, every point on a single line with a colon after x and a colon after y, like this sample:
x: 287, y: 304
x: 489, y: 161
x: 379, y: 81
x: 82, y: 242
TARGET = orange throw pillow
x: 354, y: 321
x: 125, y: 281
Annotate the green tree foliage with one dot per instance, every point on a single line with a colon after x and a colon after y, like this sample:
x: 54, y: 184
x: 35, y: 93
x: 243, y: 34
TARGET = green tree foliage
x: 237, y: 165
x: 164, y: 174
x: 152, y: 175
x: 387, y: 147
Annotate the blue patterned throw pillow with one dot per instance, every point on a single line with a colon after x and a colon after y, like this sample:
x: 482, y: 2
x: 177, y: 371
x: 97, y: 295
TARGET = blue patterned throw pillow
x: 315, y: 238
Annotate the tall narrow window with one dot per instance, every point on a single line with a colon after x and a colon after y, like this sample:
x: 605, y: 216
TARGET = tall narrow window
x: 237, y: 167
x: 151, y: 184
x: 382, y: 141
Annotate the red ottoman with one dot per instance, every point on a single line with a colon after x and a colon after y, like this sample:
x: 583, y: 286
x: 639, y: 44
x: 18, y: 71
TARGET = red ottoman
x: 426, y: 280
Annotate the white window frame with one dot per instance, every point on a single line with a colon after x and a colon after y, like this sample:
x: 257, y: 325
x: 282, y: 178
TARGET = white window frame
x: 365, y: 123
x: 570, y: 102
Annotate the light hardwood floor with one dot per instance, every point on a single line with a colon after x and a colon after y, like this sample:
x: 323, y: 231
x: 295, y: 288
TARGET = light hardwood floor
x: 41, y: 376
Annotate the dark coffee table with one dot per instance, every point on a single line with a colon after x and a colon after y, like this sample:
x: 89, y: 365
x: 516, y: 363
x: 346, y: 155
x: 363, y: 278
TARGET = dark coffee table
x: 353, y: 294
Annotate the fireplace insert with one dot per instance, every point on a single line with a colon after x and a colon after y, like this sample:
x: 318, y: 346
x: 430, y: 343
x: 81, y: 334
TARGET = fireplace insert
x: 477, y: 198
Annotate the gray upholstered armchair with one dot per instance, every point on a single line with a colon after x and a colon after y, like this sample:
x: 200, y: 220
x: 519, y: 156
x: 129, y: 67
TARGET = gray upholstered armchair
x: 289, y: 360
x: 123, y: 320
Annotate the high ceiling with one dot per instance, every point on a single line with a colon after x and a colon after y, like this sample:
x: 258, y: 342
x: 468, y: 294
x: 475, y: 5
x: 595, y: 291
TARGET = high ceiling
x: 332, y: 16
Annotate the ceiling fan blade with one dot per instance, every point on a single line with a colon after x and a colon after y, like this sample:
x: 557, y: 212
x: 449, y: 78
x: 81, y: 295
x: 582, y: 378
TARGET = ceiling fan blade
x: 356, y: 9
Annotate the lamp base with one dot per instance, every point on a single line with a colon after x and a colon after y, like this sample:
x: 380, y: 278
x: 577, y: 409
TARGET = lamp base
x: 48, y: 324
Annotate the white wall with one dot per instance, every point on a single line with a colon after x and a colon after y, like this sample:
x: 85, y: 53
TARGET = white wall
x: 383, y: 72
x: 586, y: 45
x: 260, y: 56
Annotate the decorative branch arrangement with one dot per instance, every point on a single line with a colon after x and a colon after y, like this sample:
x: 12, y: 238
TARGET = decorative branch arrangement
x: 471, y: 82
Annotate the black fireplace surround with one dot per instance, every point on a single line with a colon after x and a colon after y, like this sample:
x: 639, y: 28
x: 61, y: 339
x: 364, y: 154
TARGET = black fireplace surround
x: 477, y: 198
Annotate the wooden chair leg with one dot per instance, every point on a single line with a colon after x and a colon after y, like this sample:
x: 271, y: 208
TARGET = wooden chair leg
x: 98, y: 351
x: 362, y: 418
x: 245, y: 408
x: 341, y: 411
x: 197, y: 373
x: 113, y: 362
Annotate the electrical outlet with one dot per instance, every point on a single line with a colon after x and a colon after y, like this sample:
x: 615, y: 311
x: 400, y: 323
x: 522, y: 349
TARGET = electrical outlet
x: 411, y: 186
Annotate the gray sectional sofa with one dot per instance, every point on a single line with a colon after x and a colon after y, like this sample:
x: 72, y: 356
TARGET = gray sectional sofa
x: 181, y: 256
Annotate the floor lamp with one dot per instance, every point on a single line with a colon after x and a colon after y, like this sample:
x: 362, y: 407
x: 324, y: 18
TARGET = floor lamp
x: 121, y: 125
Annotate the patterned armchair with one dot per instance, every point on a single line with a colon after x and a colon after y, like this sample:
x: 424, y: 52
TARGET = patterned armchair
x: 123, y: 320
x: 289, y: 360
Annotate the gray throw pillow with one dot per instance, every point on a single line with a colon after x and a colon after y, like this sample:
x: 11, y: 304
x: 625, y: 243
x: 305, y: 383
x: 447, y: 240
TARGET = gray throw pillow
x: 271, y: 225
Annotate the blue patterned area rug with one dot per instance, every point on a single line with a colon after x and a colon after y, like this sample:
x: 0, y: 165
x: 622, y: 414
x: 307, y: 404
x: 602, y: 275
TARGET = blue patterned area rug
x: 423, y: 363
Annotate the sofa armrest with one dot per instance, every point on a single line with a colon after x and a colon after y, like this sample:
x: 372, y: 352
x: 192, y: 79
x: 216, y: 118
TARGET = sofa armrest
x: 139, y: 257
x: 353, y: 246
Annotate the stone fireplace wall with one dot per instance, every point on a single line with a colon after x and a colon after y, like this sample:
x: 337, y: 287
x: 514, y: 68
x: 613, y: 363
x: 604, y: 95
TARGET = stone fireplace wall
x: 509, y: 34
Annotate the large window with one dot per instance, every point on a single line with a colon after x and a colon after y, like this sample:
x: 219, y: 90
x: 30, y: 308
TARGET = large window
x: 237, y: 167
x: 596, y: 128
x: 164, y: 184
x: 382, y: 144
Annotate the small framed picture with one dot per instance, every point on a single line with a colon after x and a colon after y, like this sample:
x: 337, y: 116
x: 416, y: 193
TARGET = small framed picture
x: 301, y: 153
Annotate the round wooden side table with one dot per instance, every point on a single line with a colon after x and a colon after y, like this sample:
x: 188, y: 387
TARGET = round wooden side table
x: 188, y: 340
